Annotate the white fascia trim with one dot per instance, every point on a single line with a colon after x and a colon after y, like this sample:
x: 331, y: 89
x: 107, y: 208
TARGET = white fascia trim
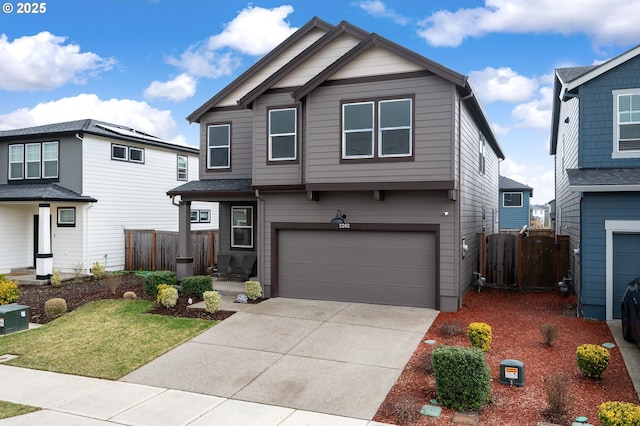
x: 604, y: 188
x: 612, y: 227
x: 603, y: 68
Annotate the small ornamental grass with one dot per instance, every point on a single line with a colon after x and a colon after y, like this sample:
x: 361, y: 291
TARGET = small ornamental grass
x: 253, y: 289
x: 558, y: 390
x: 212, y: 300
x: 480, y: 335
x: 56, y: 278
x: 167, y: 295
x: 592, y: 360
x: 9, y: 291
x: 549, y: 333
x: 615, y: 413
x: 97, y: 269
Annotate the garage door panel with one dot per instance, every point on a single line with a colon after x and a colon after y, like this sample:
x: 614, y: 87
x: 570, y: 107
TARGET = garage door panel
x: 395, y: 268
x: 626, y: 251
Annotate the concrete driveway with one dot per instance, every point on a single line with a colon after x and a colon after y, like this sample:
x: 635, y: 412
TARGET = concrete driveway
x: 328, y: 357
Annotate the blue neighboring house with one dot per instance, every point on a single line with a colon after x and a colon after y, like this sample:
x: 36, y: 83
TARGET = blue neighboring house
x: 514, y: 204
x: 595, y: 139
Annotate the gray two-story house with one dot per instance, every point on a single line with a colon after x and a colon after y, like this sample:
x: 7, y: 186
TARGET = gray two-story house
x: 352, y: 168
x: 595, y: 138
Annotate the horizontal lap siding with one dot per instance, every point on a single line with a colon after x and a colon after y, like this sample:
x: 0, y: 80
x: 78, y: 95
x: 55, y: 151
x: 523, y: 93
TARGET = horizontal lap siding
x: 433, y: 133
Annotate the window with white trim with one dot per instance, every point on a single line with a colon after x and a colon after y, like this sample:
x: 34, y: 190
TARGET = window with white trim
x: 377, y: 129
x: 66, y: 216
x: 218, y: 146
x: 127, y: 153
x: 34, y: 160
x: 512, y: 199
x: 626, y: 123
x: 183, y: 169
x: 283, y: 127
x: 242, y: 227
x: 200, y: 216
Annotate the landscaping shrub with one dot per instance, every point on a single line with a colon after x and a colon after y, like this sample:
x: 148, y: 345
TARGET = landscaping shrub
x: 196, y: 285
x: 549, y: 333
x: 167, y: 295
x: 9, y: 291
x: 480, y: 335
x: 463, y: 378
x: 55, y: 307
x: 405, y: 410
x: 212, y: 300
x: 253, y: 289
x: 451, y: 328
x: 153, y: 279
x: 614, y: 413
x: 56, y: 278
x: 97, y: 269
x: 592, y: 360
x: 130, y: 295
x: 557, y: 388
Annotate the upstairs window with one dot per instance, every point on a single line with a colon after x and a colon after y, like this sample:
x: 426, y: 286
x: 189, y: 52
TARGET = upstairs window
x: 127, y: 153
x: 377, y: 129
x: 33, y: 161
x: 219, y: 146
x: 183, y: 171
x: 482, y: 159
x: 283, y: 134
x: 626, y: 127
x: 512, y: 199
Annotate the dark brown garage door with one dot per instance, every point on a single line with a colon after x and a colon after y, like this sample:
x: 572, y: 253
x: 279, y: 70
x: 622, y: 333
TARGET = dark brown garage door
x: 391, y: 268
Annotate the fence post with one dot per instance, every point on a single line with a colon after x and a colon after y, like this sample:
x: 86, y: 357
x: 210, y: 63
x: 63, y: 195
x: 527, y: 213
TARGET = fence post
x: 212, y: 248
x: 128, y: 250
x: 520, y: 260
x: 153, y: 249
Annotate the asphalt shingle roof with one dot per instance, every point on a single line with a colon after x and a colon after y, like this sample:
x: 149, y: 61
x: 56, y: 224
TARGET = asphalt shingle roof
x: 41, y: 192
x: 592, y: 177
x: 212, y: 186
x: 506, y: 184
x: 571, y: 73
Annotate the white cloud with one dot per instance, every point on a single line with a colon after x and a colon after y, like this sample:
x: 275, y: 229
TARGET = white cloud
x: 379, y: 10
x: 178, y: 89
x: 255, y: 31
x: 44, y: 62
x: 135, y: 114
x: 604, y: 21
x: 536, y: 113
x: 502, y: 84
x: 200, y: 62
x: 538, y: 177
x: 499, y: 129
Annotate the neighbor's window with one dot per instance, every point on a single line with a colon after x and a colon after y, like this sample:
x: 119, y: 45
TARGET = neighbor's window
x: 282, y: 134
x: 127, y: 153
x: 33, y: 160
x: 626, y: 127
x: 16, y: 161
x: 119, y: 152
x: 377, y: 129
x: 182, y: 167
x: 218, y: 146
x: 200, y: 216
x: 66, y: 216
x: 482, y: 159
x: 136, y: 155
x: 242, y: 227
x: 512, y: 199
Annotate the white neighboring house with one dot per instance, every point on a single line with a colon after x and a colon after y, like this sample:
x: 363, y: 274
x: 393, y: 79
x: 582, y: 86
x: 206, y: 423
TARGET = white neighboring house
x: 90, y: 180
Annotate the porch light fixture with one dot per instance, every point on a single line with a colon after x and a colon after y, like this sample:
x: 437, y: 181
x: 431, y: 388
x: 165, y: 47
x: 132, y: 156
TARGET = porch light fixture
x: 340, y: 218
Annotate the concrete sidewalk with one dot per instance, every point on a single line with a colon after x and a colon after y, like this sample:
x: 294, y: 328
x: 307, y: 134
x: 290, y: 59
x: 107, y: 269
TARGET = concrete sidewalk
x: 327, y: 357
x: 73, y: 400
x: 630, y: 353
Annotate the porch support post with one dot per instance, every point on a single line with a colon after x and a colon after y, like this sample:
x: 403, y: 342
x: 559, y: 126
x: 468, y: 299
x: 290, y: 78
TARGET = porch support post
x: 184, y: 262
x: 44, y: 257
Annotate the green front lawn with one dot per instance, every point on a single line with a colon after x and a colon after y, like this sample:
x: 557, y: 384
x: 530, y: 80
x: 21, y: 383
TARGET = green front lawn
x: 105, y: 339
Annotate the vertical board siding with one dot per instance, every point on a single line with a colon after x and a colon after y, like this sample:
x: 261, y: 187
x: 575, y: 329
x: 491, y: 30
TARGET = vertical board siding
x: 150, y: 250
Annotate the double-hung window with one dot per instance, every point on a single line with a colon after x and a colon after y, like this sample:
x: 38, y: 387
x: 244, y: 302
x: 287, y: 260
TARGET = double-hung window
x: 183, y: 171
x: 377, y: 129
x: 218, y: 146
x: 242, y: 227
x: 512, y: 199
x: 283, y: 128
x: 626, y: 126
x: 35, y: 160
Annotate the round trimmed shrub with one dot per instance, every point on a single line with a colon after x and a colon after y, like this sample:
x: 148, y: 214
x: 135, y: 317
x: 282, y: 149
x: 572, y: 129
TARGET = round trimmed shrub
x: 592, y: 360
x: 153, y: 279
x: 167, y: 295
x: 212, y: 300
x: 253, y: 289
x: 55, y: 307
x: 480, y: 335
x: 615, y: 413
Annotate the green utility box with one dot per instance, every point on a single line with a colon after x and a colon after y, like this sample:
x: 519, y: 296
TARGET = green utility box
x: 512, y: 372
x: 13, y: 318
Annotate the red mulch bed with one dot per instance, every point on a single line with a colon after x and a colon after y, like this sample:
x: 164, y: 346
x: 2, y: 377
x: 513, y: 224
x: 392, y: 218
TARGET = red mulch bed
x: 515, y: 318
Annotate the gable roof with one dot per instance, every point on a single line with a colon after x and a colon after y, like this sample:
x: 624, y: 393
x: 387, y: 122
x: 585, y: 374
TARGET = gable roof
x: 41, y: 192
x: 368, y: 40
x: 94, y: 127
x: 506, y: 184
x: 567, y: 80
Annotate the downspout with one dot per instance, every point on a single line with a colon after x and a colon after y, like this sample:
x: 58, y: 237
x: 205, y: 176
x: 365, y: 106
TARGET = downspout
x: 262, y: 233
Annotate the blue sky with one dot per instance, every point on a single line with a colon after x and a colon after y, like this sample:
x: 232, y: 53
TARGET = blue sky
x: 150, y: 63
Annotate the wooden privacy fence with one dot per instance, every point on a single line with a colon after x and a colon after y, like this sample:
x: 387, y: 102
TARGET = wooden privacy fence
x: 151, y: 250
x: 539, y: 260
